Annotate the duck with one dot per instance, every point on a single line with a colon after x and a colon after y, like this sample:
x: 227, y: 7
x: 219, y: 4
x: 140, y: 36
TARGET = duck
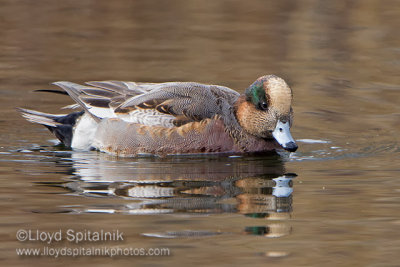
x: 130, y: 119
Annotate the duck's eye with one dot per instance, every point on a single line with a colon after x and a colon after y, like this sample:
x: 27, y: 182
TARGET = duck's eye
x: 263, y: 106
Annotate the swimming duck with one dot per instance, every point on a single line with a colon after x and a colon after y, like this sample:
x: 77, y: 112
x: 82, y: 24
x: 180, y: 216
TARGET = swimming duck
x: 131, y: 118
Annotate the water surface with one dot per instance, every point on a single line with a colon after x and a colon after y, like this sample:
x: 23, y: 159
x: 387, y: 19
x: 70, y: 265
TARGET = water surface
x: 333, y: 202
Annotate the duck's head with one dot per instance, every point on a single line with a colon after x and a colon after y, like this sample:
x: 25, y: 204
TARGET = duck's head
x: 265, y: 110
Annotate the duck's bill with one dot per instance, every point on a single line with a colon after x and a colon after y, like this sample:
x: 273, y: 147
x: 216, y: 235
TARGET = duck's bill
x: 283, y: 137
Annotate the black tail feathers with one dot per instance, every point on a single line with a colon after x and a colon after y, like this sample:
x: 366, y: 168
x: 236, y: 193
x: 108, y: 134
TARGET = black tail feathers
x: 60, y: 125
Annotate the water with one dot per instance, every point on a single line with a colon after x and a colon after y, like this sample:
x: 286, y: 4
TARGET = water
x: 333, y: 202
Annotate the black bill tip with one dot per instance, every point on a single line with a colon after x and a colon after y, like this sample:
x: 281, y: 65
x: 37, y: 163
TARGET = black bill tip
x: 291, y: 146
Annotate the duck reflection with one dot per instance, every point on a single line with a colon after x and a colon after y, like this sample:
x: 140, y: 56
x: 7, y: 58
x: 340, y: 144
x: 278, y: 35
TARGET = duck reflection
x: 256, y: 187
x: 247, y: 185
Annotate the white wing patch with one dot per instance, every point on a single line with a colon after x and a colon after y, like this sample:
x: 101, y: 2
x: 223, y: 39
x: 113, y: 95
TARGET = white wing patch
x: 101, y: 112
x: 148, y: 117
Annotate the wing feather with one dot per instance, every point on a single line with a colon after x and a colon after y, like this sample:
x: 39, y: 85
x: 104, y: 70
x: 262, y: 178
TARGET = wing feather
x: 166, y: 104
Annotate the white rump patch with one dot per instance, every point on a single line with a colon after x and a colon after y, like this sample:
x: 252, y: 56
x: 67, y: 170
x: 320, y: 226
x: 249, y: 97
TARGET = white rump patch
x: 84, y: 132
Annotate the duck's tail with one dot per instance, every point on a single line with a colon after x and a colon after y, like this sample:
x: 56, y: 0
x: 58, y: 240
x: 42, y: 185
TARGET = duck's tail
x: 60, y: 125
